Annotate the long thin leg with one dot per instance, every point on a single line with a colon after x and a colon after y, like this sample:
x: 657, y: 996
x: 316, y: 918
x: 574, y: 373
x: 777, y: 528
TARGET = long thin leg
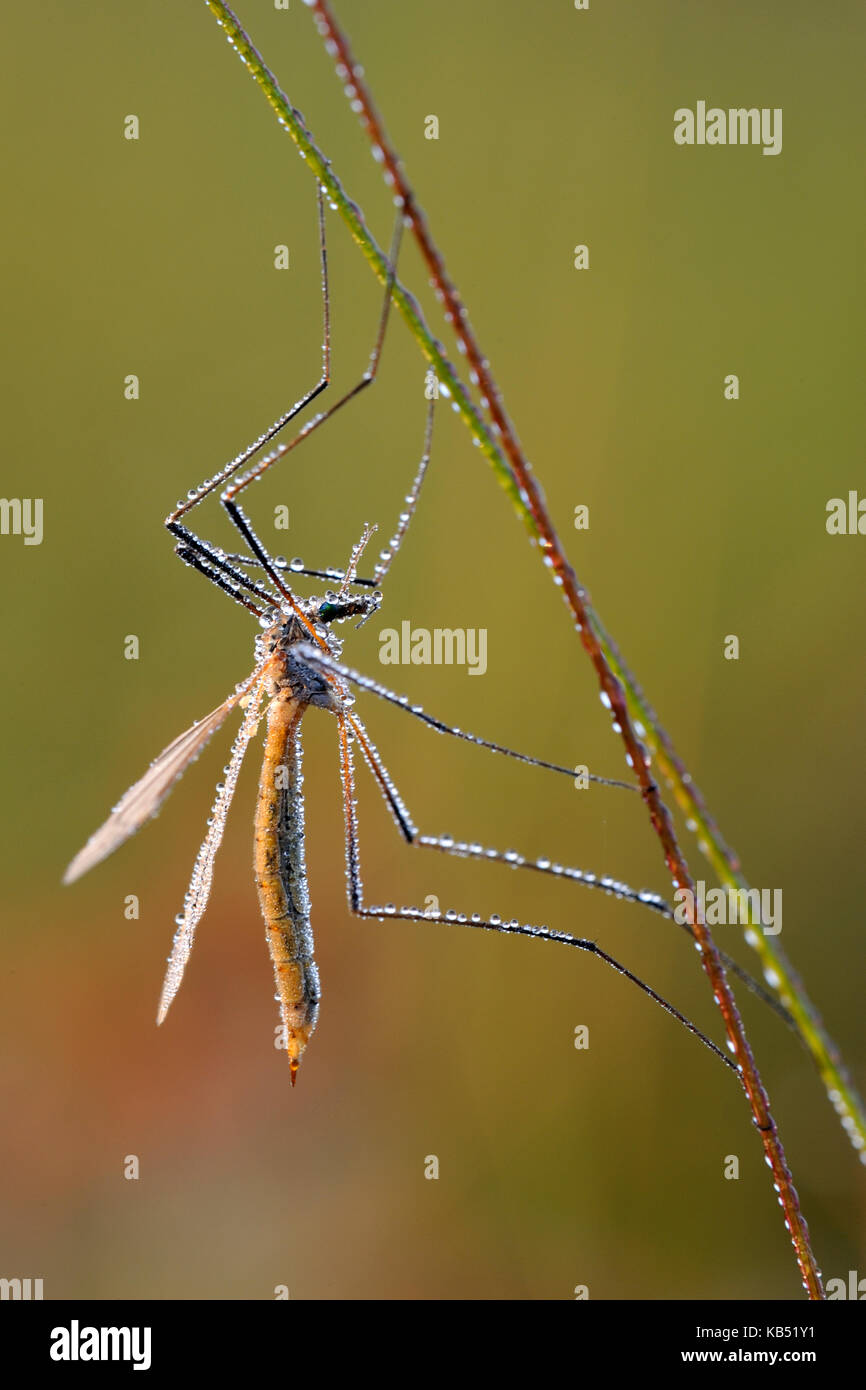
x: 298, y: 567
x: 513, y: 927
x: 446, y: 844
x: 217, y: 563
x: 325, y: 663
x: 216, y: 576
x: 228, y: 496
x: 366, y: 380
x: 189, y: 541
x: 386, y: 557
x: 196, y: 495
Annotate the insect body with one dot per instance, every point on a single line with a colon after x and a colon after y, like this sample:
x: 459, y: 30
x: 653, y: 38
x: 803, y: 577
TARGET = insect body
x: 298, y: 665
x: 281, y: 874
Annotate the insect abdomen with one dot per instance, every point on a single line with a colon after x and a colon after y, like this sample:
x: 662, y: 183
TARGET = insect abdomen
x: 281, y: 875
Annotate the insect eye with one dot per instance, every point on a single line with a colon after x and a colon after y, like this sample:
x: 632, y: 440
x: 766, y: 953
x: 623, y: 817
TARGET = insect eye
x: 328, y: 612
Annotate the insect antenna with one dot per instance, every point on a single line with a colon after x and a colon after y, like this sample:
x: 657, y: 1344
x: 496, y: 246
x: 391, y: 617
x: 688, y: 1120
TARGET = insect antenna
x: 357, y: 552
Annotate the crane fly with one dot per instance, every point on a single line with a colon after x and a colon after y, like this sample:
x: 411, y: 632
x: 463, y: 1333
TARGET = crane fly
x: 298, y: 666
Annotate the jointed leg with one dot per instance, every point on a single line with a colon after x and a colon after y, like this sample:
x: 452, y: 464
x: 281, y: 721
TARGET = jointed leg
x: 386, y: 557
x: 327, y: 665
x: 298, y: 567
x: 228, y: 497
x: 214, y: 557
x: 415, y: 914
x: 196, y: 495
x: 366, y: 380
x: 220, y: 576
x: 446, y: 844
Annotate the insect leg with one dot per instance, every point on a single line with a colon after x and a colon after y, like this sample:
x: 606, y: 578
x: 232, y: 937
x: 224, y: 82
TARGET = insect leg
x: 231, y: 492
x: 415, y: 914
x: 446, y: 844
x: 322, y: 661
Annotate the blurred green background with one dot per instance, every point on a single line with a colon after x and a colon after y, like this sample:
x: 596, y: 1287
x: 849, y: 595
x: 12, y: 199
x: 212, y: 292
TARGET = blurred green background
x: 557, y: 1167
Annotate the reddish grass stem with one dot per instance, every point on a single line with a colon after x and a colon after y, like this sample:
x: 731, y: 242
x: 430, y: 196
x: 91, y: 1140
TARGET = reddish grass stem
x: 578, y: 601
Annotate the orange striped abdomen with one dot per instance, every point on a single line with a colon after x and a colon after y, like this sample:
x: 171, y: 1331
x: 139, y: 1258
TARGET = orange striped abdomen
x: 281, y: 875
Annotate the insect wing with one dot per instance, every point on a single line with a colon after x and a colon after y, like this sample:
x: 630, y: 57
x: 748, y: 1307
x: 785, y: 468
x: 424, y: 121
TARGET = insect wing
x: 144, y: 799
x: 196, y: 899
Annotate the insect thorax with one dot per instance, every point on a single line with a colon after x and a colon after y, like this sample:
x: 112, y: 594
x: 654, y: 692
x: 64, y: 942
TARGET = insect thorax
x: 289, y: 671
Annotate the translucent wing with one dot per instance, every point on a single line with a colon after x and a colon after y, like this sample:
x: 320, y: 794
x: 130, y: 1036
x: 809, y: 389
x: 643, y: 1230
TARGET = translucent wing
x: 145, y: 798
x: 198, y: 893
